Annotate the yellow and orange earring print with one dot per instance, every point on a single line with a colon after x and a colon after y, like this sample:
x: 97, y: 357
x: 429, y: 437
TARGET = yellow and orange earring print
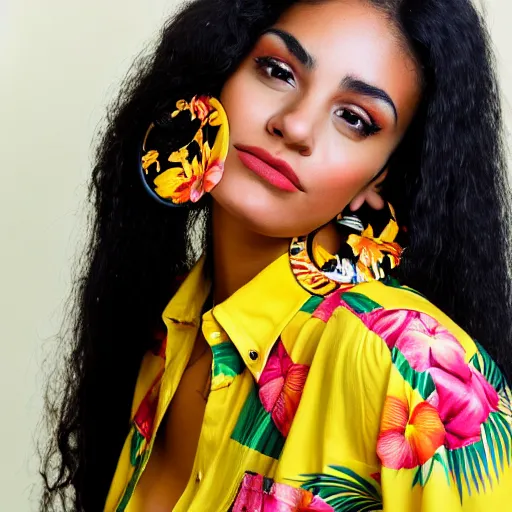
x: 322, y: 273
x: 195, y: 168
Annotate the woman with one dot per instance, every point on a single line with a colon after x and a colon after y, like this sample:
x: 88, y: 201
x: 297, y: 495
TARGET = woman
x: 259, y: 347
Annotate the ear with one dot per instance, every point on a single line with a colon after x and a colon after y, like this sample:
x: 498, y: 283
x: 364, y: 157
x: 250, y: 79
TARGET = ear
x: 370, y: 194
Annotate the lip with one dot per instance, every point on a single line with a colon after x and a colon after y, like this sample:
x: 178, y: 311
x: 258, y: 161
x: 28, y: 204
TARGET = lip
x: 273, y: 170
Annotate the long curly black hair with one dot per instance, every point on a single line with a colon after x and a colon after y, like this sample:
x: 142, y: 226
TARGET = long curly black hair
x: 447, y: 182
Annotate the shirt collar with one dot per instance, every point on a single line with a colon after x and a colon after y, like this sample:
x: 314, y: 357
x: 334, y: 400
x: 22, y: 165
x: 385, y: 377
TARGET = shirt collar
x: 253, y: 317
x: 256, y: 314
x: 187, y: 303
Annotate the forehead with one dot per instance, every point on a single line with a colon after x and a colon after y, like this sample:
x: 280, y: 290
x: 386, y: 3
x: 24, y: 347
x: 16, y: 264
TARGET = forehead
x: 351, y: 37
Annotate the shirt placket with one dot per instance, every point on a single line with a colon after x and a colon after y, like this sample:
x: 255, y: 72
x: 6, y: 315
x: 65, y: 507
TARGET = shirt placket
x: 226, y: 365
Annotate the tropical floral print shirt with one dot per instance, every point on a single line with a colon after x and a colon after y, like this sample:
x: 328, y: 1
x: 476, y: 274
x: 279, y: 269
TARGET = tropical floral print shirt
x: 363, y: 400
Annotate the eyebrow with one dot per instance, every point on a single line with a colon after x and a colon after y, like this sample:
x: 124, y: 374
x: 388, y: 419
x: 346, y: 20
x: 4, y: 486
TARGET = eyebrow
x: 350, y: 82
x: 294, y: 47
x: 353, y: 84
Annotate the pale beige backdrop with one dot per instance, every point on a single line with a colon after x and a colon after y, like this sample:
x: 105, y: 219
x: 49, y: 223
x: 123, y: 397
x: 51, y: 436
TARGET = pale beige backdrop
x: 60, y: 63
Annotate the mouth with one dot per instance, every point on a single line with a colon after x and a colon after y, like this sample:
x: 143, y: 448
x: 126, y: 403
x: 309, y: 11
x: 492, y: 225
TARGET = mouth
x: 275, y: 171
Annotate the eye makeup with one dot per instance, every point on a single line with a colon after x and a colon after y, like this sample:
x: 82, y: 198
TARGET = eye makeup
x: 358, y: 123
x: 275, y: 69
x: 349, y: 83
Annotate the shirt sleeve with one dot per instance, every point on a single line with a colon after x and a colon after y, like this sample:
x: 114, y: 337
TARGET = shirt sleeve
x: 445, y: 435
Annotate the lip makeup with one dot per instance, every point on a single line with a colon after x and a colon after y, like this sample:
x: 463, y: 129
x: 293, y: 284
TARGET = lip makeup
x: 275, y: 171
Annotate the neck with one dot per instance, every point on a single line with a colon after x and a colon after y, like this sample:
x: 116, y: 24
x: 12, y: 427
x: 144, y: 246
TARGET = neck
x: 239, y: 254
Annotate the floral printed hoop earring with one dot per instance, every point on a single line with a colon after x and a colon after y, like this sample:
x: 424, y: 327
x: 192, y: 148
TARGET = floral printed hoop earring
x: 321, y: 273
x: 196, y: 168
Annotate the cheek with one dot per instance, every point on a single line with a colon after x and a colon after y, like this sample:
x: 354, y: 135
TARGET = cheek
x: 339, y: 180
x: 244, y: 100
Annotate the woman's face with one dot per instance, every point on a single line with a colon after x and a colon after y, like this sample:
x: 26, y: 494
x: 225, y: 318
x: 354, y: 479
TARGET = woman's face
x: 329, y: 91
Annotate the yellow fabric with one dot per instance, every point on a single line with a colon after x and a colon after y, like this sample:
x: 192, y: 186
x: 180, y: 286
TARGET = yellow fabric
x: 347, y: 400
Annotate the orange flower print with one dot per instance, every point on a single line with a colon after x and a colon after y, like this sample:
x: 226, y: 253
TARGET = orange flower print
x: 199, y: 107
x: 172, y: 184
x: 372, y: 250
x: 150, y: 158
x: 193, y: 179
x: 408, y: 438
x: 208, y: 173
x: 281, y: 384
x: 463, y: 397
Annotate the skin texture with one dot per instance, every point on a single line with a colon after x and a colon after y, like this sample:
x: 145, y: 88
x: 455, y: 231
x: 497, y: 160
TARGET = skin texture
x: 312, y: 123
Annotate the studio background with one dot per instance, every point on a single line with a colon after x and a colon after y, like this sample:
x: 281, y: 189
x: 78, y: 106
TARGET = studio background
x: 61, y: 62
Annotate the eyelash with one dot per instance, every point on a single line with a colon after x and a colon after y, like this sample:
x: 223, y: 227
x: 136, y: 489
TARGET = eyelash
x: 267, y: 65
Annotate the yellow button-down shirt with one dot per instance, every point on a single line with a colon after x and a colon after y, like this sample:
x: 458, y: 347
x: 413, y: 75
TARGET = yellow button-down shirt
x: 368, y: 399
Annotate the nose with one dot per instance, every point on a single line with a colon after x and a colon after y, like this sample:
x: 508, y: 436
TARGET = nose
x: 294, y: 124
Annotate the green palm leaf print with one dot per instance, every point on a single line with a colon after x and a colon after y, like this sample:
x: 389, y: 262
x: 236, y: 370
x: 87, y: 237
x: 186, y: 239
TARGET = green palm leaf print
x: 345, y: 492
x: 475, y: 467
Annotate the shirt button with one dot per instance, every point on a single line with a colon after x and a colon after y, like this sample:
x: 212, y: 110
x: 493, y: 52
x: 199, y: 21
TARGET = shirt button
x: 199, y: 476
x: 253, y: 355
x: 215, y: 335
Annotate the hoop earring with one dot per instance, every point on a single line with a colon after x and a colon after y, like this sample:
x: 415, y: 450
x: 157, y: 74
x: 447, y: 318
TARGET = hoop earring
x: 198, y: 168
x: 321, y: 273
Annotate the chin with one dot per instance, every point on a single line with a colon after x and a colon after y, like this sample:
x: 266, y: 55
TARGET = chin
x: 259, y: 211
x: 264, y: 216
x: 263, y: 209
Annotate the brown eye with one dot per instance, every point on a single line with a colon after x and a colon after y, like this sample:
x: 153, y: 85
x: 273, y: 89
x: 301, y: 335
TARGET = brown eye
x: 357, y: 123
x: 274, y: 68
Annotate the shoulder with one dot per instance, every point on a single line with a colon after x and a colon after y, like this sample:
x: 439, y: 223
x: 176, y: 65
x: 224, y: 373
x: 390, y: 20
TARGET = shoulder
x: 442, y: 399
x: 433, y: 364
x: 401, y: 317
x: 402, y: 339
x: 413, y: 366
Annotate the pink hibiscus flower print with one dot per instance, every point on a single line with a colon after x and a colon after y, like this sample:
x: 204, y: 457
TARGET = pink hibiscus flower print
x: 260, y: 494
x: 463, y: 398
x: 423, y: 341
x: 281, y: 385
x: 463, y: 405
